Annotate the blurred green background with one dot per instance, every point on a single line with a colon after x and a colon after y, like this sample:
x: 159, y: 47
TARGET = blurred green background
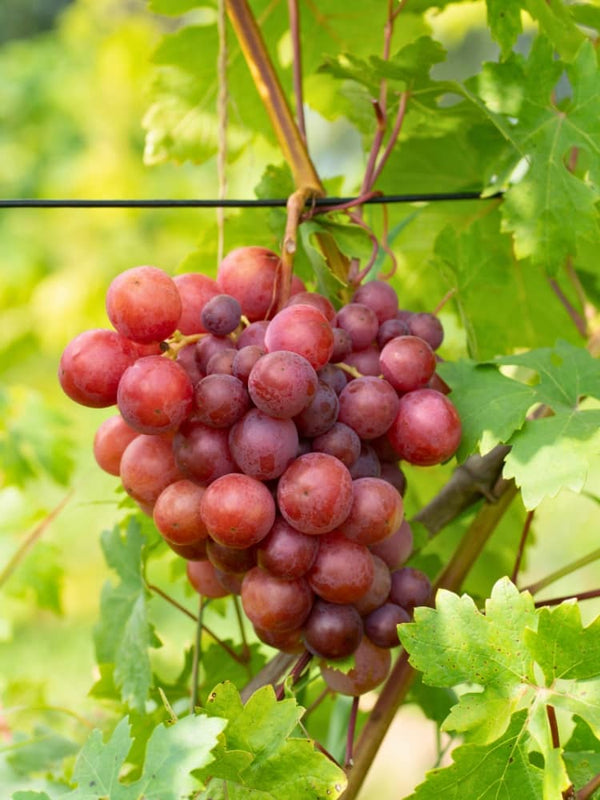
x: 74, y: 81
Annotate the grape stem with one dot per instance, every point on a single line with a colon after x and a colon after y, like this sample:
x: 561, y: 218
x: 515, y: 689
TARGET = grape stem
x: 295, y: 208
x: 238, y: 613
x: 294, y: 15
x: 556, y: 601
x: 177, y: 342
x: 157, y: 590
x: 351, y: 732
x: 524, y: 535
x: 536, y: 587
x: 588, y: 790
x: 197, y: 656
x: 295, y: 673
x: 31, y: 539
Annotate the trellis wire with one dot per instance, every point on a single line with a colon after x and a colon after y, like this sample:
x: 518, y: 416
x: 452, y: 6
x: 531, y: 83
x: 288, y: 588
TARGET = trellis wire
x: 422, y: 197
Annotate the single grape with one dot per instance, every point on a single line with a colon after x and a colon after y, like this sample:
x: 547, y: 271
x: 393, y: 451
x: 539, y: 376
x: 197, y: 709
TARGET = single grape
x: 92, y: 365
x: 110, y: 441
x: 407, y: 362
x: 282, y: 383
x: 369, y: 406
x: 333, y: 376
x: 427, y: 327
x: 410, y: 588
x: 221, y: 314
x: 186, y: 358
x: 315, y: 493
x: 342, y: 345
x: 285, y: 552
x: 202, y: 453
x: 237, y: 510
x: 381, y: 625
x: 263, y: 446
x: 313, y: 299
x: 365, y: 361
x: 367, y: 465
x: 396, y: 549
x: 320, y: 414
x: 234, y: 560
x: 377, y: 511
x: 332, y: 630
x: 177, y: 513
x: 285, y: 641
x: 371, y: 666
x: 427, y: 428
x: 343, y: 570
x: 203, y: 577
x: 254, y: 334
x: 380, y: 297
x: 245, y: 358
x: 221, y: 363
x: 360, y: 322
x: 143, y: 303
x: 339, y: 441
x: 390, y: 329
x: 378, y: 591
x: 248, y: 274
x: 195, y: 291
x: 147, y: 468
x: 274, y: 604
x: 394, y: 475
x: 220, y: 400
x: 155, y: 395
x: 304, y: 330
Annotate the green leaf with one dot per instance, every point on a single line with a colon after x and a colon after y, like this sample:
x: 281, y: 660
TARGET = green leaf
x: 550, y: 454
x: 40, y: 575
x: 43, y: 750
x: 501, y: 769
x: 30, y: 796
x: 504, y: 19
x: 536, y: 206
x: 566, y: 374
x: 123, y: 633
x: 491, y: 406
x: 562, y: 647
x: 258, y: 758
x: 516, y: 660
x: 172, y: 754
x: 557, y: 23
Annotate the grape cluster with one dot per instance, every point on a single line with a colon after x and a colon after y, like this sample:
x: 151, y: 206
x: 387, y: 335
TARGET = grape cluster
x: 266, y: 445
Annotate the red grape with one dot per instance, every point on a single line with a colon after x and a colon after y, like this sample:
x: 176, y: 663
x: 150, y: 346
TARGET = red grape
x: 282, y: 383
x: 110, y: 441
x: 148, y: 467
x: 195, y: 291
x: 315, y: 493
x: 248, y: 274
x: 407, y: 362
x: 237, y: 510
x: 274, y: 604
x: 203, y: 577
x: 92, y: 365
x: 427, y: 428
x: 143, y: 303
x: 285, y: 552
x: 333, y: 630
x: 263, y: 446
x: 304, y: 330
x: 371, y: 666
x: 155, y: 395
x: 368, y: 405
x: 177, y: 513
x: 343, y: 570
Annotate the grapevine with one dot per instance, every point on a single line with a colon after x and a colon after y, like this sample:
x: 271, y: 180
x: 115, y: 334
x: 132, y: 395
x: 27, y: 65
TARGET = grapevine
x: 338, y: 433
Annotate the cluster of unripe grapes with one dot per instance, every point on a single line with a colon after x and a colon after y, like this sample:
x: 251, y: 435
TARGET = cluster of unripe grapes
x: 265, y: 444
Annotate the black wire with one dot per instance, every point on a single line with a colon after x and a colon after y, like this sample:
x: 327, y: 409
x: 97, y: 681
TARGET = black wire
x: 266, y: 203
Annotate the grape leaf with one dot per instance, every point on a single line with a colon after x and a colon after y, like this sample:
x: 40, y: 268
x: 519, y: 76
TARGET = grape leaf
x: 171, y: 755
x: 504, y: 19
x: 42, y: 750
x: 258, y: 759
x: 30, y: 796
x: 491, y: 406
x: 522, y: 660
x: 174, y: 7
x: 123, y: 633
x: 488, y: 772
x: 549, y: 453
x: 536, y: 205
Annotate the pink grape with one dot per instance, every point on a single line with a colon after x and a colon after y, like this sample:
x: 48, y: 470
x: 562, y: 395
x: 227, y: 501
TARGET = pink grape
x: 274, y: 604
x: 343, y: 570
x: 238, y: 510
x: 304, y: 330
x: 195, y: 291
x: 263, y: 446
x: 427, y: 428
x: 377, y: 511
x: 110, y: 441
x: 143, y: 303
x: 147, y: 468
x: 92, y: 365
x: 371, y: 666
x: 315, y: 493
x: 155, y: 395
x: 378, y: 296
x: 248, y: 274
x: 282, y: 383
x: 407, y: 362
x: 368, y: 405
